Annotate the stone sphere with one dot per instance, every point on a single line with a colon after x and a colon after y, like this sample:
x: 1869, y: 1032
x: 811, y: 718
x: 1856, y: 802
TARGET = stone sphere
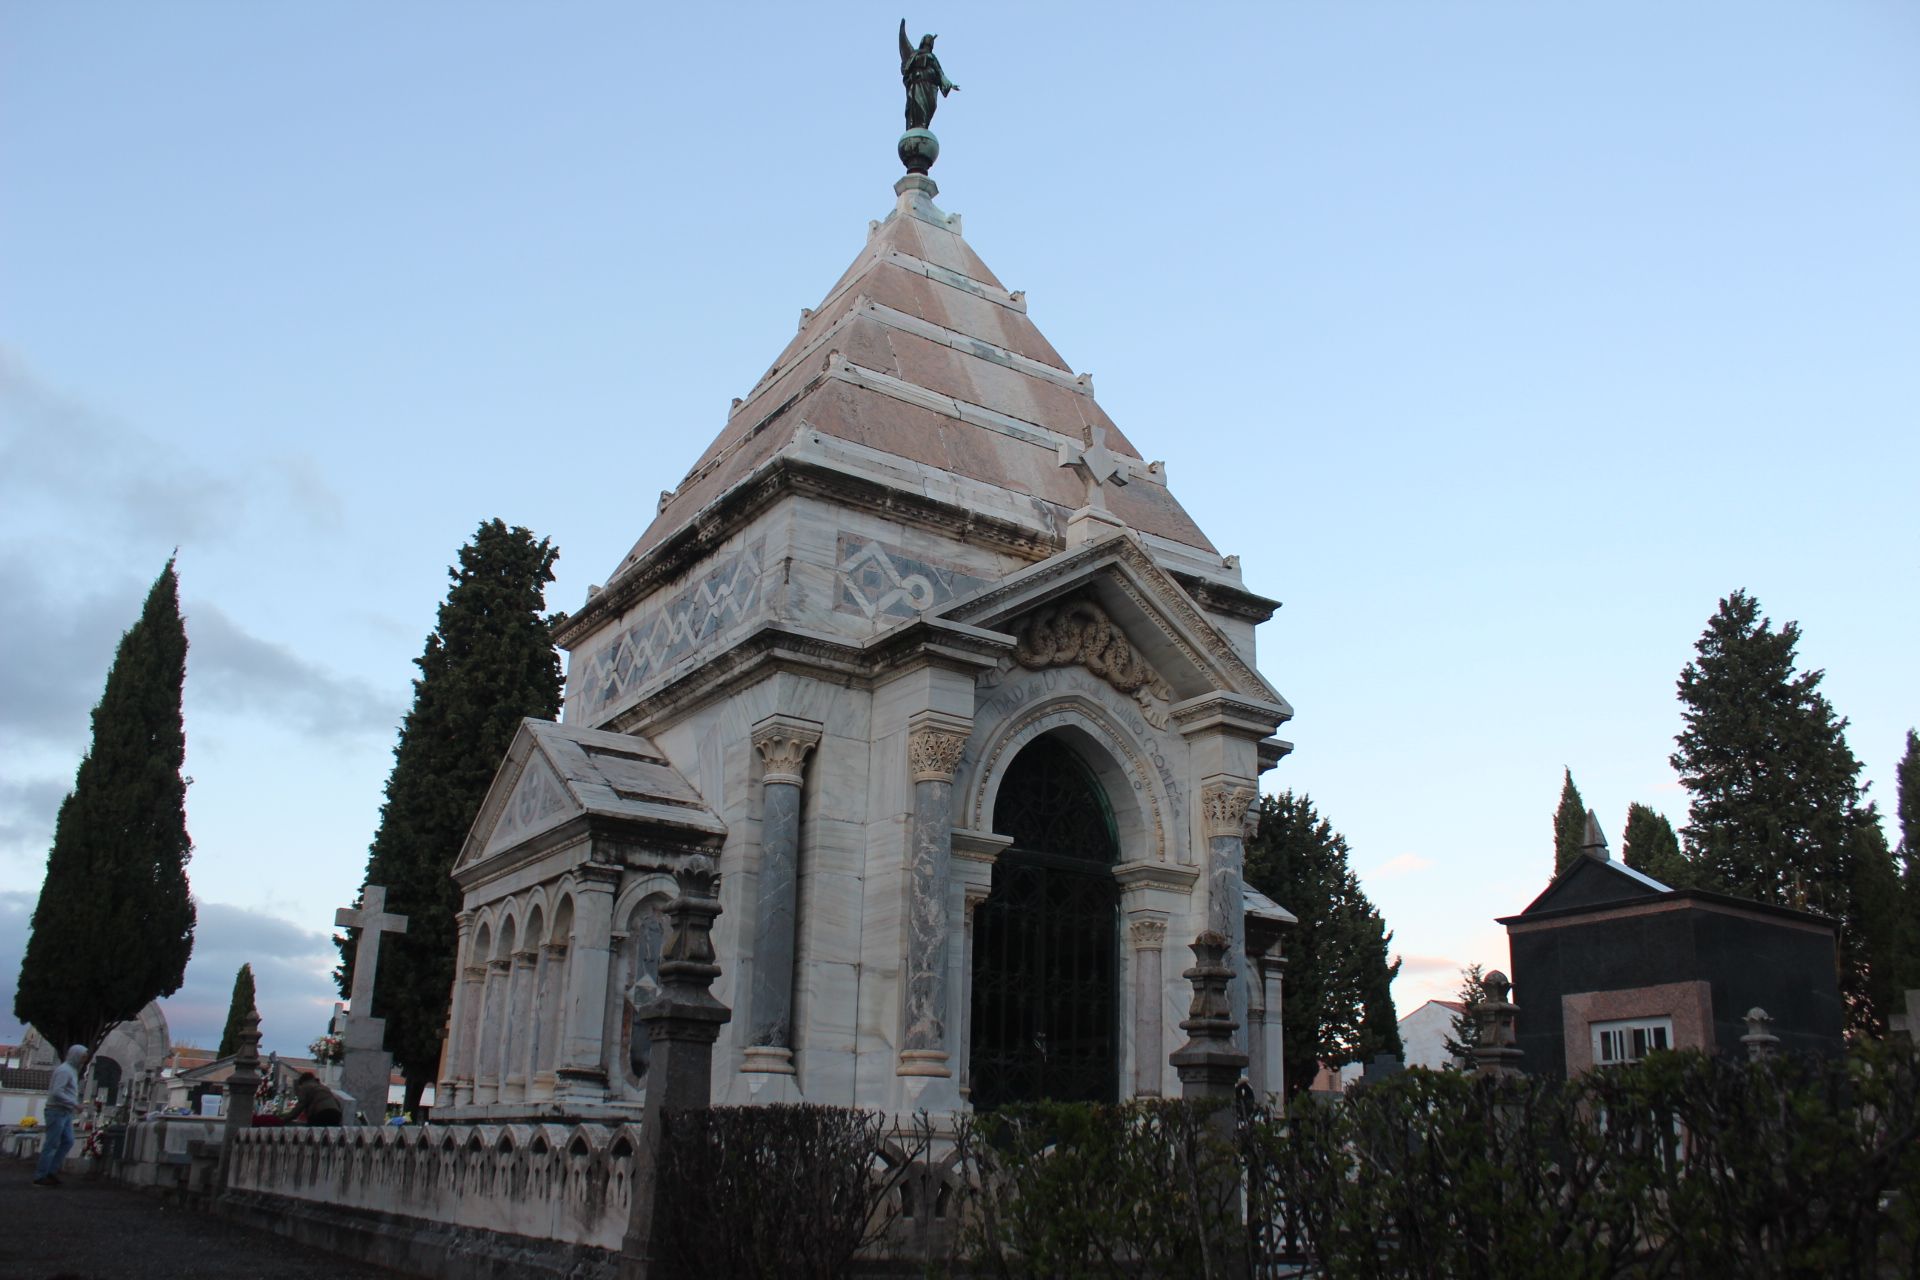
x: 918, y: 150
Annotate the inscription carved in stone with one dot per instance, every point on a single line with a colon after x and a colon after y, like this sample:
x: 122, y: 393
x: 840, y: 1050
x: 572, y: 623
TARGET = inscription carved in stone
x: 933, y: 753
x: 1081, y: 634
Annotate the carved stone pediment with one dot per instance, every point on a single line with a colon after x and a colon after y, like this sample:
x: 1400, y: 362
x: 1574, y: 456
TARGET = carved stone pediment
x: 1079, y: 633
x: 1109, y: 601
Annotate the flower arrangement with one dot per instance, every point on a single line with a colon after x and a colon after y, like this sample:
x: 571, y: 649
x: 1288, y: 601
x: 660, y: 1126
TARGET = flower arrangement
x: 327, y: 1049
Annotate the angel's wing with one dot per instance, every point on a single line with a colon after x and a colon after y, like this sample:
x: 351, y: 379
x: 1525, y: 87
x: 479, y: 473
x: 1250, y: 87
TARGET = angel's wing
x: 906, y: 45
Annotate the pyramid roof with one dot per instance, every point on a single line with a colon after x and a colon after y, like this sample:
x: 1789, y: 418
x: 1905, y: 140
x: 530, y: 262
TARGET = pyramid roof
x: 919, y: 352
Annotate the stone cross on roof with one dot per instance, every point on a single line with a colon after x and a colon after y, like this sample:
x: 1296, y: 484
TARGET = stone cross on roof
x: 1098, y: 466
x: 372, y: 919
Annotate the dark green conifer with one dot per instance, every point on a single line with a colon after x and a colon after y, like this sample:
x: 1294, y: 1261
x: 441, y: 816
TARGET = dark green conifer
x: 489, y: 663
x: 237, y: 1009
x: 1776, y: 801
x: 1339, y: 1005
x: 1907, y: 805
x: 1652, y: 847
x: 114, y: 924
x: 1569, y: 825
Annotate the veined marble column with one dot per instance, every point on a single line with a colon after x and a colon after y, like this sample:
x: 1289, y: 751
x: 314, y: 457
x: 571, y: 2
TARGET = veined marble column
x: 1147, y: 932
x: 784, y: 744
x: 933, y: 752
x: 582, y: 1074
x: 493, y: 1022
x: 1223, y: 808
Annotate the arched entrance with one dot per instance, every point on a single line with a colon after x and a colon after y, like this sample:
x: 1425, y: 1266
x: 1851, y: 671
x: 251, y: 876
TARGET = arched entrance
x: 1046, y: 941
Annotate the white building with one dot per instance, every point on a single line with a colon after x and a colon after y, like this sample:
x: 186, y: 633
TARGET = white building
x: 963, y: 702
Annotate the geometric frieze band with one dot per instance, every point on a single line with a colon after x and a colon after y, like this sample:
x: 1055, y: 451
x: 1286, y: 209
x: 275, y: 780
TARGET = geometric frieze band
x: 724, y: 595
x: 875, y: 580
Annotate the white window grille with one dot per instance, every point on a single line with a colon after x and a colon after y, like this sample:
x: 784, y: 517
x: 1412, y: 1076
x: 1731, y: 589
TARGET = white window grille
x: 1630, y: 1039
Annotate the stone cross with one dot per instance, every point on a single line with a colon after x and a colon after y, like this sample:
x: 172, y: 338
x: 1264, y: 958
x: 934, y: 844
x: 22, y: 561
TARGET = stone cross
x: 372, y: 919
x: 1098, y: 466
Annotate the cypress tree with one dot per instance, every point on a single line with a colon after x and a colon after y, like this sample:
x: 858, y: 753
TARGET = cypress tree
x: 113, y: 926
x: 1907, y: 807
x: 1776, y: 802
x: 1339, y: 997
x: 240, y: 1006
x: 489, y: 663
x: 1569, y: 825
x: 1465, y: 1035
x: 1651, y: 847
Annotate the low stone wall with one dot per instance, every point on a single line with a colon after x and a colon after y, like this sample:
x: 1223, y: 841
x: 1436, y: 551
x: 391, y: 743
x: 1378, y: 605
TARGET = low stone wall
x: 454, y: 1200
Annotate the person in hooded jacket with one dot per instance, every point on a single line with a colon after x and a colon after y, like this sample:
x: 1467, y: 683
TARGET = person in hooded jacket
x: 63, y: 1098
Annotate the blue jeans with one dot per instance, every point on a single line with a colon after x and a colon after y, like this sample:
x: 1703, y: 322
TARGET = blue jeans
x: 56, y: 1142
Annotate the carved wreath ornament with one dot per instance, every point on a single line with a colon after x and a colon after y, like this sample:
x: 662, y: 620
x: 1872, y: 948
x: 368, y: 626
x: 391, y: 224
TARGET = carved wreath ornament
x: 1081, y: 633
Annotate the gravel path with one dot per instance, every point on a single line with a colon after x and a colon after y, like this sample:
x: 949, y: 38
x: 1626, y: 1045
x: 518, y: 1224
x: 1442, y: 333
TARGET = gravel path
x: 96, y: 1230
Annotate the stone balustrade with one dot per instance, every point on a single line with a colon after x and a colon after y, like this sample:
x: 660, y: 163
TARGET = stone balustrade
x: 566, y: 1183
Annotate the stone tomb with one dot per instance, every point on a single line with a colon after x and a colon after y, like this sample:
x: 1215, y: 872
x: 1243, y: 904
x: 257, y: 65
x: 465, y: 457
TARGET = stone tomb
x: 918, y: 561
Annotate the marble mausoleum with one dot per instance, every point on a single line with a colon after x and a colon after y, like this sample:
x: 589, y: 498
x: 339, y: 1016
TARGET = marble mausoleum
x: 962, y: 702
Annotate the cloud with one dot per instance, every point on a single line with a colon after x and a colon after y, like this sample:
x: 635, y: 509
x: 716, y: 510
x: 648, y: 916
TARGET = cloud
x: 292, y: 969
x: 58, y: 651
x: 61, y: 455
x: 1398, y: 868
x: 231, y: 670
x: 1413, y: 966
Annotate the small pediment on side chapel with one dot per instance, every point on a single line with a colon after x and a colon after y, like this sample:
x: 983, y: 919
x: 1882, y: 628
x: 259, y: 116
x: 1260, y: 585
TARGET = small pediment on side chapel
x: 1109, y: 607
x: 554, y: 773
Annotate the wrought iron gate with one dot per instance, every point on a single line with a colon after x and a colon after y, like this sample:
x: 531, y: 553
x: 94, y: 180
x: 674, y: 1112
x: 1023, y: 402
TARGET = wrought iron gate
x: 1046, y: 942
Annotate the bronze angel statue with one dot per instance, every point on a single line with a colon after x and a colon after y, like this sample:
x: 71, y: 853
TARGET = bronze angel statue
x: 926, y: 82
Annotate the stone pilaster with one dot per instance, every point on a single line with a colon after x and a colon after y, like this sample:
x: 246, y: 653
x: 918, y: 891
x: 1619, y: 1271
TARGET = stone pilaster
x: 582, y: 1073
x: 934, y: 745
x: 1266, y: 1044
x: 516, y: 1070
x: 454, y: 1051
x: 493, y: 1030
x: 467, y: 1032
x: 1147, y: 935
x: 784, y: 744
x: 550, y: 1012
x: 1223, y: 812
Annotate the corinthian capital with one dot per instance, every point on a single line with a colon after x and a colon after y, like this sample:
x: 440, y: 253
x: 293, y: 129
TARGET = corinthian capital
x: 933, y: 750
x: 1223, y: 805
x: 783, y: 743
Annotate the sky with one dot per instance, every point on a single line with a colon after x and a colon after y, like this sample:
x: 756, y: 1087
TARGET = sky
x: 1500, y: 340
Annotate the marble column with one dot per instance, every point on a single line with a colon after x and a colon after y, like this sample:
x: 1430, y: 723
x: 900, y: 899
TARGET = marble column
x: 1147, y: 933
x: 933, y: 752
x: 493, y: 1023
x: 582, y: 1073
x: 784, y: 744
x: 1223, y: 808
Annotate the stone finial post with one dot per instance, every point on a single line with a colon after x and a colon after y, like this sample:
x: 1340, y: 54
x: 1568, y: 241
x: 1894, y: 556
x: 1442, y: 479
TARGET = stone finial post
x: 243, y: 1086
x: 1760, y: 1041
x: 682, y: 1023
x: 1208, y: 1063
x: 1496, y: 1054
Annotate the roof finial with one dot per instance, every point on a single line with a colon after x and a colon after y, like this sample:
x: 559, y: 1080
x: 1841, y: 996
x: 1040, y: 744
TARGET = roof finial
x: 1594, y: 842
x: 926, y: 84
